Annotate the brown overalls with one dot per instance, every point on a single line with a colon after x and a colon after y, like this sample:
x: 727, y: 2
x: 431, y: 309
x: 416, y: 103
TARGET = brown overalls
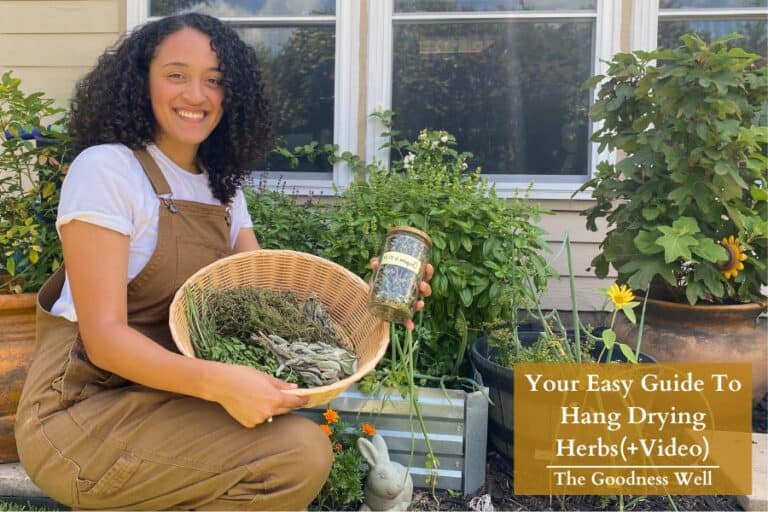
x: 90, y: 439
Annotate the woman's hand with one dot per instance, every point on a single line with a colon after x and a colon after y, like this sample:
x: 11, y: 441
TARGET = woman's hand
x: 424, y: 289
x: 250, y: 396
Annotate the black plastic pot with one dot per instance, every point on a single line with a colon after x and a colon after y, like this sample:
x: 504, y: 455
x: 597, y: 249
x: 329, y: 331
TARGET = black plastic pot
x: 500, y: 382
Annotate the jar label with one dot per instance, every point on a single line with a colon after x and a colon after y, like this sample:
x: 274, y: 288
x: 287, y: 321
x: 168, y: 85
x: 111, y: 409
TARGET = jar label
x: 401, y: 260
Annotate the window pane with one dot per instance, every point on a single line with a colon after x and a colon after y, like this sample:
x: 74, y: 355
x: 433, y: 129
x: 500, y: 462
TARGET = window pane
x: 491, y: 5
x: 509, y: 91
x: 707, y: 4
x: 298, y: 65
x: 234, y: 8
x: 754, y: 32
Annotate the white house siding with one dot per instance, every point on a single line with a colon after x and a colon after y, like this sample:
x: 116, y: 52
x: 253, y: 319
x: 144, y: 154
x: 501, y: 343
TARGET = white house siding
x: 49, y: 44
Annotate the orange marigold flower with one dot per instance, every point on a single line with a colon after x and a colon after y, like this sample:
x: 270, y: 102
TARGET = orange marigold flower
x: 735, y: 257
x: 338, y: 447
x: 369, y: 429
x: 331, y: 416
x: 327, y: 430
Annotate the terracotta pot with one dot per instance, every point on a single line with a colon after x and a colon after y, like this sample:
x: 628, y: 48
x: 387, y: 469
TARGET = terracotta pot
x: 707, y: 333
x: 17, y: 342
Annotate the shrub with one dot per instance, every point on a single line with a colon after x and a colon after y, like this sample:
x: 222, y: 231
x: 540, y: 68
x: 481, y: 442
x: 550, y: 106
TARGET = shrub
x: 32, y: 169
x: 282, y: 221
x: 687, y: 209
x: 487, y: 251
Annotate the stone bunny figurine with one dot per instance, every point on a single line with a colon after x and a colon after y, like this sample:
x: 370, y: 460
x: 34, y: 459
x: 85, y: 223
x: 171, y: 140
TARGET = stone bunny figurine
x: 389, y: 485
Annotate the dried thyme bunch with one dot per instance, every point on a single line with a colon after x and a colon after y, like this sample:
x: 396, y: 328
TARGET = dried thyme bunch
x: 243, y: 311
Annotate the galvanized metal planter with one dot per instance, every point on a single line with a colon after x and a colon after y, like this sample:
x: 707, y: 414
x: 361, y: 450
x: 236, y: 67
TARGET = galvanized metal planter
x: 456, y: 421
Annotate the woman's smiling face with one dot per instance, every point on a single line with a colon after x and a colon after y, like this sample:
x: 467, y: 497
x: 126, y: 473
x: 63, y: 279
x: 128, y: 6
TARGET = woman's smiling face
x: 186, y: 92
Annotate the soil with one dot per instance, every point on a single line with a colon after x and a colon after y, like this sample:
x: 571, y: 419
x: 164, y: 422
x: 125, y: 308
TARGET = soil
x: 497, y: 493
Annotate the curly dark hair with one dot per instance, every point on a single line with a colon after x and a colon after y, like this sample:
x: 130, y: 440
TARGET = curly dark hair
x: 112, y: 103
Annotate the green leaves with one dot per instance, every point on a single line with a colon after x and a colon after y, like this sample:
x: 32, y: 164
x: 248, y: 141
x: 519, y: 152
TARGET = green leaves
x: 691, y: 123
x: 31, y: 174
x: 486, y: 249
x: 677, y: 240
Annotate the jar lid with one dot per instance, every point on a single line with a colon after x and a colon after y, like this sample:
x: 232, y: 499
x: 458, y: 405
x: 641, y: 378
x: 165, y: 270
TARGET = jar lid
x: 413, y: 231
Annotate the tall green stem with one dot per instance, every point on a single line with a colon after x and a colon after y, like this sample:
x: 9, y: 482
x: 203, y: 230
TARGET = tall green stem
x: 574, y: 307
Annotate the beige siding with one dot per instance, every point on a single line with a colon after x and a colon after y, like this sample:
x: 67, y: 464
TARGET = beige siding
x: 58, y: 16
x: 566, y: 218
x: 49, y: 44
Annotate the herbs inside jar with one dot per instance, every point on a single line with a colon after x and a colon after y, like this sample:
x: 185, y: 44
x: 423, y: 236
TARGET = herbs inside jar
x: 395, y: 285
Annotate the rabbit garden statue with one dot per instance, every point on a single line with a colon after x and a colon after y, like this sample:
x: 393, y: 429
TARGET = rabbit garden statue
x: 389, y: 485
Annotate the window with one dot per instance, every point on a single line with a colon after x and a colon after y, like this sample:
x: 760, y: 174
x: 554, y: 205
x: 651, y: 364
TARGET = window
x: 503, y: 76
x: 662, y: 22
x: 711, y: 19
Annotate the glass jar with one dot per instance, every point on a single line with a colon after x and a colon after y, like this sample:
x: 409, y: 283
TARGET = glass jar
x: 395, y: 285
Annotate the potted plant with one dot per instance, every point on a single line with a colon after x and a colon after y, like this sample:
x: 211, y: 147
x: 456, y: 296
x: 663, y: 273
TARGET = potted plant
x: 687, y: 208
x: 32, y: 168
x: 543, y: 338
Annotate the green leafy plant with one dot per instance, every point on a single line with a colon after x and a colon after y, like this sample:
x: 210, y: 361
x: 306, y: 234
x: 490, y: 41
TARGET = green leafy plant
x: 344, y: 486
x: 556, y: 344
x: 687, y: 209
x: 283, y: 221
x: 32, y: 169
x: 482, y: 244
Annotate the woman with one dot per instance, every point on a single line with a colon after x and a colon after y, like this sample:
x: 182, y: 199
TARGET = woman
x: 111, y: 415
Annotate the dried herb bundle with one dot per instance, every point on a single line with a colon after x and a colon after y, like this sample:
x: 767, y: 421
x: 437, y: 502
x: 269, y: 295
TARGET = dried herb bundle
x: 271, y: 331
x: 243, y: 311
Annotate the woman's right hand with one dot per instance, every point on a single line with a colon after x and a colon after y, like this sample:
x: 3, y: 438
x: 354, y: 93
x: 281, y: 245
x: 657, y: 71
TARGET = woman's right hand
x: 251, y: 396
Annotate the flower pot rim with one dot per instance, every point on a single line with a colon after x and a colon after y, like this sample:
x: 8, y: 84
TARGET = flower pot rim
x: 683, y: 306
x: 14, y: 301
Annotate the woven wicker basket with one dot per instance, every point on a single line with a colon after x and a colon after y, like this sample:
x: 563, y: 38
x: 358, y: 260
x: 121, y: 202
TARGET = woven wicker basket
x: 343, y: 294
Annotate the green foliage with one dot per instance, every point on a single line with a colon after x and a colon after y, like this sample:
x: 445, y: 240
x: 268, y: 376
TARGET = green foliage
x: 31, y: 174
x: 17, y: 505
x: 344, y: 486
x: 483, y: 245
x: 555, y: 344
x: 693, y: 129
x: 281, y: 221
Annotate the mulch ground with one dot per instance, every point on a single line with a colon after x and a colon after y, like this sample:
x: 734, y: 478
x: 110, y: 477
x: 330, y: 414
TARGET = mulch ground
x: 497, y: 493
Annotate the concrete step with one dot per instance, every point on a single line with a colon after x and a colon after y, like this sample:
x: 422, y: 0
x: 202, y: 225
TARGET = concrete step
x: 758, y: 500
x: 14, y: 482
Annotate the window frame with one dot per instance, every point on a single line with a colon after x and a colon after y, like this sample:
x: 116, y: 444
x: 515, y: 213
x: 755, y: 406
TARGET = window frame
x: 378, y: 17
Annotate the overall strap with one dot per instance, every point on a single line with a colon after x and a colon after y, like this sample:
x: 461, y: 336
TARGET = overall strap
x: 153, y: 172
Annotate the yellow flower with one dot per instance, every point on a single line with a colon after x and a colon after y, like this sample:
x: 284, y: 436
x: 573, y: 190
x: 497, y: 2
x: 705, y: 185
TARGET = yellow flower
x: 369, y: 429
x: 735, y: 257
x: 331, y: 416
x: 621, y: 296
x: 326, y: 429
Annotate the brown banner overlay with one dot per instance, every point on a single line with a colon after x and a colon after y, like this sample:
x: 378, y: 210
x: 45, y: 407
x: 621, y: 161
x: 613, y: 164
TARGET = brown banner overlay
x: 633, y: 429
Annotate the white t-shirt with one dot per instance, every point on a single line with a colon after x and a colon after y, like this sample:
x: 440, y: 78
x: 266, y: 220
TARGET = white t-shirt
x: 107, y: 186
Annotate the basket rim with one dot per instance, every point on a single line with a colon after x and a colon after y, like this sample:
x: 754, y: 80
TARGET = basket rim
x: 341, y: 384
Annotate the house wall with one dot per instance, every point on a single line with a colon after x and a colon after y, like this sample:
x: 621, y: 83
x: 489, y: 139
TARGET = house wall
x: 49, y: 44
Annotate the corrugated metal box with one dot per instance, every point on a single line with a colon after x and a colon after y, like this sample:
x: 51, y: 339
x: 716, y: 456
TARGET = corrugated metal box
x: 456, y: 421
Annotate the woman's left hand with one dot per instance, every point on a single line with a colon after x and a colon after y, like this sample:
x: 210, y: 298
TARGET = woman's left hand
x: 424, y: 289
